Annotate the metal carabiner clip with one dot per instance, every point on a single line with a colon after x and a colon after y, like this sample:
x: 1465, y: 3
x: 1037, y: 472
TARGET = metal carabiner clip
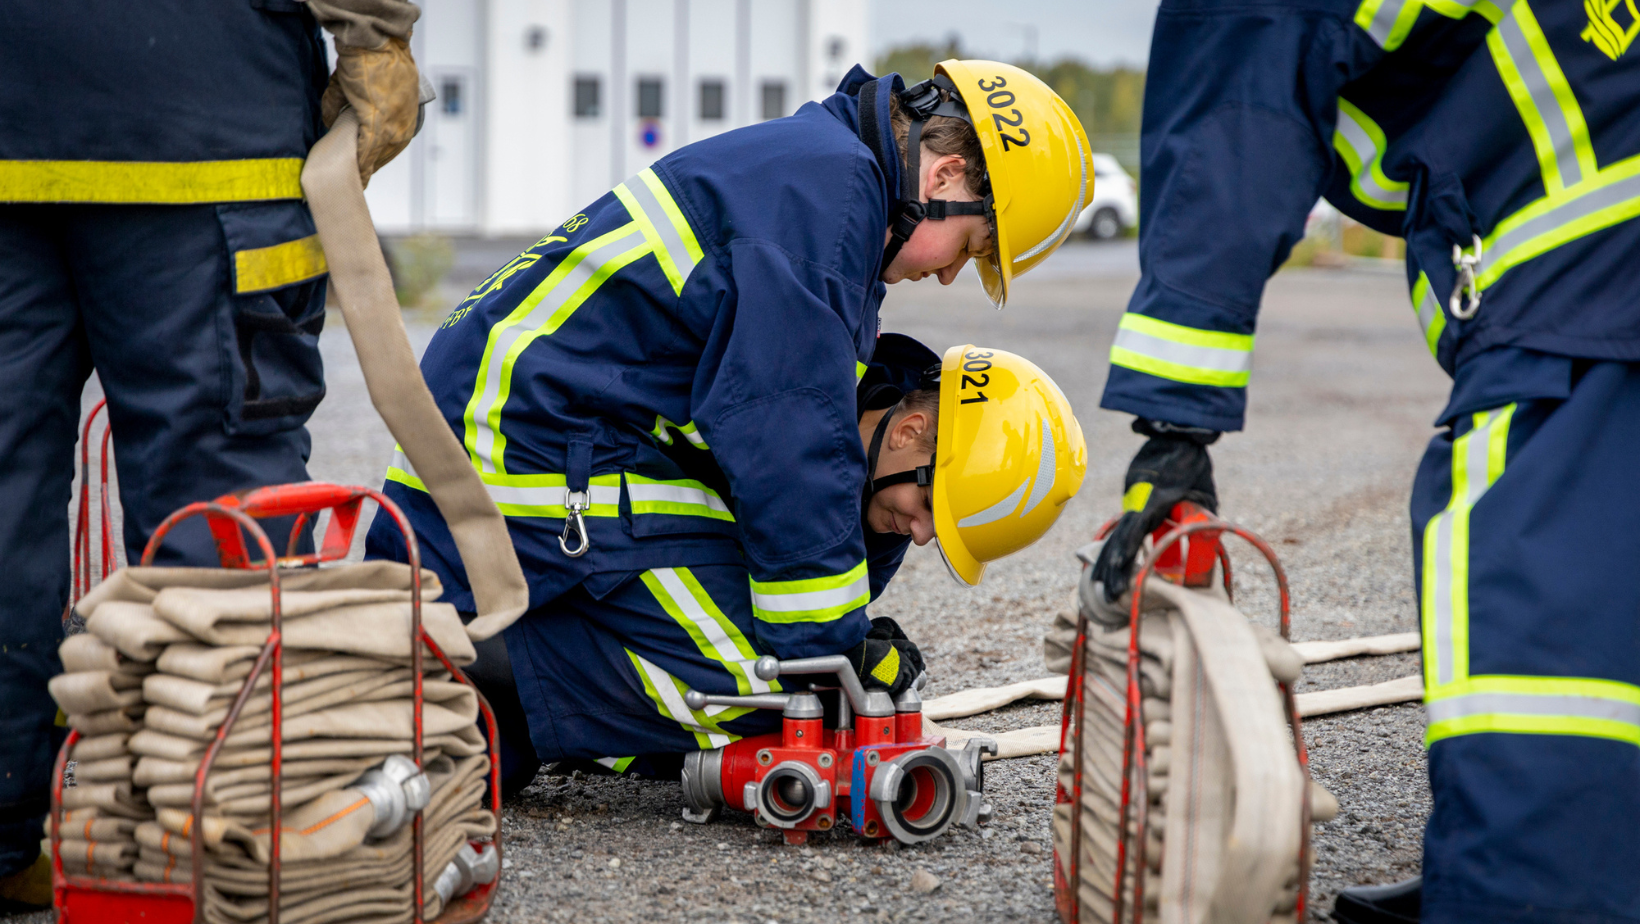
x: 575, y: 504
x: 1467, y: 292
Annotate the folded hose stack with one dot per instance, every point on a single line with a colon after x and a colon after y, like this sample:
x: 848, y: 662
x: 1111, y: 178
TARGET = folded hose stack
x: 166, y: 654
x: 1223, y: 790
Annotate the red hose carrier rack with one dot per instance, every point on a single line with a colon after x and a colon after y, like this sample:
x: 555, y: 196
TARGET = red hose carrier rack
x: 96, y: 900
x: 1191, y: 568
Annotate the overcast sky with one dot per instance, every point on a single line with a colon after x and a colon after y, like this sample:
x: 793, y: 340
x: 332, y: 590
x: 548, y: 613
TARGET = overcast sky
x: 1101, y: 32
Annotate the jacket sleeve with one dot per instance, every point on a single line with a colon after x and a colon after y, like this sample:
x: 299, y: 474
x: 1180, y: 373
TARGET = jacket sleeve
x: 774, y: 400
x: 365, y: 23
x: 1235, y: 150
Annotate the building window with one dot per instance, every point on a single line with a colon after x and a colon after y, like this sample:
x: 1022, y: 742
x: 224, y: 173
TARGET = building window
x: 650, y: 90
x: 774, y: 99
x: 449, y: 94
x: 586, y: 98
x: 711, y: 99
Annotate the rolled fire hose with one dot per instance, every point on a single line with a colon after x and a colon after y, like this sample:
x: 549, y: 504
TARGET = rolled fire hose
x: 1224, y: 790
x: 359, y: 278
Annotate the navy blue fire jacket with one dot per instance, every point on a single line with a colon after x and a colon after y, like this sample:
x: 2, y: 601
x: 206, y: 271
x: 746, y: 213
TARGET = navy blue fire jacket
x: 681, y: 357
x: 1509, y: 131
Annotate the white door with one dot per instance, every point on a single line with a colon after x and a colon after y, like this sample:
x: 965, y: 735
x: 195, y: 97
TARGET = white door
x: 451, y: 129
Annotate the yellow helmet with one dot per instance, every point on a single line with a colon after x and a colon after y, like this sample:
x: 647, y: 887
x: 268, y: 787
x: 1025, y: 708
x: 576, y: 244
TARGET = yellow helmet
x: 1010, y: 454
x: 1038, y: 159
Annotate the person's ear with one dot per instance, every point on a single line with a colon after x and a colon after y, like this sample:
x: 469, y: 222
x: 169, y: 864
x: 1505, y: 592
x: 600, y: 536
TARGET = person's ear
x: 910, y: 429
x: 945, y: 174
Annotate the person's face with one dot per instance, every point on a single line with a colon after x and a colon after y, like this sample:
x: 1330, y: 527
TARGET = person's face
x: 902, y: 508
x: 940, y: 248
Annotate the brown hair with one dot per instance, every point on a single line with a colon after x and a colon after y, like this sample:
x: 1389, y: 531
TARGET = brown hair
x: 943, y: 135
x: 926, y: 400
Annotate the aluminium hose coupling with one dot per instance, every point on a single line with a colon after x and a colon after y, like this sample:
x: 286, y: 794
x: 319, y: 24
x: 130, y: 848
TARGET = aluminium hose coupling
x: 702, y: 784
x: 397, y: 791
x: 470, y: 868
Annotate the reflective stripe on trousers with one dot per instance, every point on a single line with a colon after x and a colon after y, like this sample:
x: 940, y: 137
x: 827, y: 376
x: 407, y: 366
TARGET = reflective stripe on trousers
x: 1458, y: 703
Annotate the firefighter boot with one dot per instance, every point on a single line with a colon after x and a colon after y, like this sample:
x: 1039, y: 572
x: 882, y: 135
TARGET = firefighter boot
x: 1396, y: 903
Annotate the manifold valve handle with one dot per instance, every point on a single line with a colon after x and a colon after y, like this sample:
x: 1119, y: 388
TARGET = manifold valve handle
x: 695, y: 699
x: 769, y: 667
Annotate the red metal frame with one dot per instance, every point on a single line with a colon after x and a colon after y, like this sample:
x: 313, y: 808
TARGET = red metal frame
x: 1193, y: 568
x: 92, y: 899
x: 81, y: 565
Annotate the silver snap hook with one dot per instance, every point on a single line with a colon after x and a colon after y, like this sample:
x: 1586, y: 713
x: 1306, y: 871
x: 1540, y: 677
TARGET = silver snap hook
x: 1467, y: 293
x: 575, y: 505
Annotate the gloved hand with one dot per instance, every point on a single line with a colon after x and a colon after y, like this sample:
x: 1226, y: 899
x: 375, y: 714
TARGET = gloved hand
x: 886, y: 664
x: 384, y: 90
x: 1172, y: 466
x: 886, y: 629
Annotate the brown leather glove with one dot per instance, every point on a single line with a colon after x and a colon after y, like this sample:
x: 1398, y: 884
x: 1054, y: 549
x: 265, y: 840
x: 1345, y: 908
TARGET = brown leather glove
x: 382, y: 86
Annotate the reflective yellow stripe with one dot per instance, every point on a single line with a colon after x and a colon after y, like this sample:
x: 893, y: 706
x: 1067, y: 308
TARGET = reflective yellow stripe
x: 653, y: 209
x: 1389, y: 22
x: 541, y: 312
x: 683, y: 598
x: 812, y: 600
x: 1582, y: 706
x: 280, y: 265
x: 147, y: 182
x: 667, y: 693
x: 690, y: 432
x: 1610, y: 197
x: 534, y: 495
x: 1361, y: 143
x: 1431, y: 319
x: 1540, y: 92
x: 1182, y: 354
x: 1478, y: 459
x: 679, y: 497
x: 1137, y: 496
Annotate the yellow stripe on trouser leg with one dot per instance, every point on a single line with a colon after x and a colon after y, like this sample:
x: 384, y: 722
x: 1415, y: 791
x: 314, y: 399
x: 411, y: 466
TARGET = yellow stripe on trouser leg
x: 667, y: 693
x: 683, y: 598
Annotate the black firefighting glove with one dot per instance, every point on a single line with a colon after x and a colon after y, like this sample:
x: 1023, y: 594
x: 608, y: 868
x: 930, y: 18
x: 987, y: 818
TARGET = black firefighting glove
x: 1172, y: 466
x: 886, y: 664
x: 886, y: 629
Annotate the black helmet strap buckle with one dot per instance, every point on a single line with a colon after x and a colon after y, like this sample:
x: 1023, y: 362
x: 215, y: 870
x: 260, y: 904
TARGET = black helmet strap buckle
x: 921, y: 103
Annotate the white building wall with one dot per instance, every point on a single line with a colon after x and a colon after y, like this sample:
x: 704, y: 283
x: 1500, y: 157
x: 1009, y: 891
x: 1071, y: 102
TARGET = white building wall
x: 506, y: 154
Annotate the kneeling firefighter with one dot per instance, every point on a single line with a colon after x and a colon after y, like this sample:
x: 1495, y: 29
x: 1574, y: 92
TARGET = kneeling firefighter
x: 658, y: 395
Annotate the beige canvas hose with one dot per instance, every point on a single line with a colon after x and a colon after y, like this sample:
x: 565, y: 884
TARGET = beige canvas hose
x: 362, y: 285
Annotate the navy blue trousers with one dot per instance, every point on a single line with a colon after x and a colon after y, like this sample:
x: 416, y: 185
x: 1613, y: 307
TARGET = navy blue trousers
x: 601, y: 671
x: 207, y: 392
x: 1524, y: 533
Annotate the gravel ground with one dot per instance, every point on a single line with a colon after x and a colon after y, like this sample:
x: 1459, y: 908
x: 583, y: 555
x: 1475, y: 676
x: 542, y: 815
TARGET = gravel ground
x: 1338, y: 417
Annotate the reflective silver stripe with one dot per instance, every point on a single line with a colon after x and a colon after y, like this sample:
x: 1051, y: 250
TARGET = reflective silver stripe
x: 673, y: 706
x: 727, y: 651
x: 813, y: 600
x: 1472, y: 469
x: 1367, y: 150
x: 656, y: 213
x: 677, y: 494
x: 1064, y: 228
x: 1583, y: 707
x: 500, y: 368
x: 1429, y: 308
x: 1200, y: 357
x: 1046, y: 473
x: 1564, y: 214
x: 997, y: 510
x: 1543, y: 98
x: 528, y: 495
x: 1383, y: 22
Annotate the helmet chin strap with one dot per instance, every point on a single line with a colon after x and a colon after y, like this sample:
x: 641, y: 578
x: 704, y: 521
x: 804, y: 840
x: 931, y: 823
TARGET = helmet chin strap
x: 922, y: 102
x: 923, y: 475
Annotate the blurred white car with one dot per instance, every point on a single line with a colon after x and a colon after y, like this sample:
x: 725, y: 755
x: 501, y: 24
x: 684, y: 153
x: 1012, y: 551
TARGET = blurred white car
x: 1115, y: 205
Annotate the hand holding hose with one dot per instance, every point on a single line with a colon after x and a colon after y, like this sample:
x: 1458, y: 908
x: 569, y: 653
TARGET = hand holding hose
x: 1172, y: 466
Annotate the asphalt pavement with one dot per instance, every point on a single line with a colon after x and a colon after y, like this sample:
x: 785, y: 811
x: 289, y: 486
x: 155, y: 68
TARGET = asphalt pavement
x: 1342, y: 398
